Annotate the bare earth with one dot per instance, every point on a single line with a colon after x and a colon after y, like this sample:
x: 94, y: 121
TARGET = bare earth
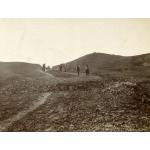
x: 71, y: 103
x: 8, y: 122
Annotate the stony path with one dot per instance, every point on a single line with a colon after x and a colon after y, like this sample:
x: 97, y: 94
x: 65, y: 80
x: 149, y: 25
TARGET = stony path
x: 6, y: 123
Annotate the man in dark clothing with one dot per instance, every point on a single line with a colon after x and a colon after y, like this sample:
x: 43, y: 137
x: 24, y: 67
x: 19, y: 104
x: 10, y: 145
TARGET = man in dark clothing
x: 44, y: 67
x: 87, y: 71
x: 78, y: 69
x: 60, y: 68
x: 65, y: 70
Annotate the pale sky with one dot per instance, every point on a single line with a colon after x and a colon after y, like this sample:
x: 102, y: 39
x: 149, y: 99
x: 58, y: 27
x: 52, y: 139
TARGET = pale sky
x: 55, y: 41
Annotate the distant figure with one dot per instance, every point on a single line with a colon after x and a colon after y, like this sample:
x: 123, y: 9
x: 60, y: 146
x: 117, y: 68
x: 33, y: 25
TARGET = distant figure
x: 60, y: 68
x: 78, y: 69
x: 65, y: 68
x: 48, y: 68
x: 44, y: 67
x: 87, y: 71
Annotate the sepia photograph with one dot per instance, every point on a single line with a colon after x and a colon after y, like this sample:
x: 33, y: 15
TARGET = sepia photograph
x: 75, y: 75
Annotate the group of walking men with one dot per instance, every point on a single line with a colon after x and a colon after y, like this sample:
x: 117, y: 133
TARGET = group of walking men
x: 44, y: 68
x: 87, y: 71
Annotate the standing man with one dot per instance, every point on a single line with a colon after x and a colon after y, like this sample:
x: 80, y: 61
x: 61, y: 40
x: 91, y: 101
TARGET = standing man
x: 87, y: 71
x: 44, y: 67
x: 65, y: 70
x: 60, y: 67
x: 78, y: 69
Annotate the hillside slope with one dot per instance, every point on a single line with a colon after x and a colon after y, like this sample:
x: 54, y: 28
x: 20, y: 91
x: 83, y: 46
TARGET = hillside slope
x: 99, y: 62
x: 21, y: 70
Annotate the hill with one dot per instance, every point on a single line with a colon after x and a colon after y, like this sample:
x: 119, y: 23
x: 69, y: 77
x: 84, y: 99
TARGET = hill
x: 21, y: 70
x: 105, y: 63
x: 72, y: 103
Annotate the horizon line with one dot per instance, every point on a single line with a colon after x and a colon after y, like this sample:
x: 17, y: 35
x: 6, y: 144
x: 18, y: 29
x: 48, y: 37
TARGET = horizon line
x: 36, y: 63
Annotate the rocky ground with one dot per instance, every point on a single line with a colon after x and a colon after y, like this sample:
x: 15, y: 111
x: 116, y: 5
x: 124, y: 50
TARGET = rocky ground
x: 79, y: 104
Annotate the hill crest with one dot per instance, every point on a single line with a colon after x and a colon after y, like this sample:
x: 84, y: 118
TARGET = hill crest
x: 100, y: 61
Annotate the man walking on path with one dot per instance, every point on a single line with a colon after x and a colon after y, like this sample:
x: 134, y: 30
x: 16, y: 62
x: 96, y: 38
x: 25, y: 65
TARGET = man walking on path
x: 78, y: 69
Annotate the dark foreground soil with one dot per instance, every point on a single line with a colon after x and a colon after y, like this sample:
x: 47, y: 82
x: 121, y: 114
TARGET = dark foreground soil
x: 88, y: 105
